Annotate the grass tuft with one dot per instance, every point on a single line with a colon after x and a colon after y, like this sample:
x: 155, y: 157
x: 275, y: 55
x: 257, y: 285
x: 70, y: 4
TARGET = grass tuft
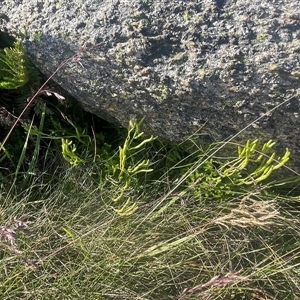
x: 63, y: 239
x: 85, y: 218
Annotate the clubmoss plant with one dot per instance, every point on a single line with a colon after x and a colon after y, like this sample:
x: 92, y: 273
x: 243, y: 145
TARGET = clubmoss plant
x: 124, y: 174
x: 122, y: 169
x: 68, y: 152
x: 219, y: 179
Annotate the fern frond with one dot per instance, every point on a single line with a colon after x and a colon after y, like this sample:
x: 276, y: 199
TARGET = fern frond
x: 14, y: 67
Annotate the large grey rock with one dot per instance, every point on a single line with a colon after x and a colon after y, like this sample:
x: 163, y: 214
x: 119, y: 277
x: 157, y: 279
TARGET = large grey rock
x: 179, y: 64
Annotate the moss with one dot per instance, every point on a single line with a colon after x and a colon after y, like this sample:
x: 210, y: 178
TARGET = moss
x: 261, y: 37
x: 225, y: 15
x: 37, y: 35
x: 162, y: 92
x: 58, y: 4
x: 189, y: 16
x: 137, y: 15
x: 201, y: 73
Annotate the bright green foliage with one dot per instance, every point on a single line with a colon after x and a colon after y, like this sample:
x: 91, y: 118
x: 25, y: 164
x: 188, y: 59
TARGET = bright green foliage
x: 248, y: 154
x: 218, y: 179
x: 68, y: 152
x: 123, y: 174
x: 122, y: 168
x: 14, y: 67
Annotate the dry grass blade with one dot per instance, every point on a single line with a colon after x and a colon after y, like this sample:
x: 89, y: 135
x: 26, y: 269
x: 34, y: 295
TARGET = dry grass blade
x: 251, y: 212
x: 216, y: 281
